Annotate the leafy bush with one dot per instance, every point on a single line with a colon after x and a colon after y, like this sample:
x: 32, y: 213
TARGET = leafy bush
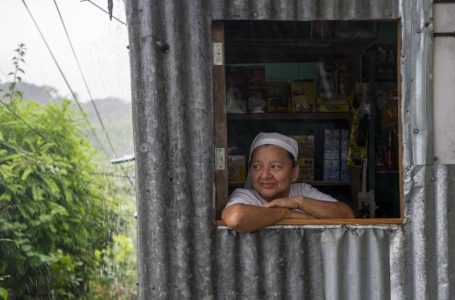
x: 56, y: 213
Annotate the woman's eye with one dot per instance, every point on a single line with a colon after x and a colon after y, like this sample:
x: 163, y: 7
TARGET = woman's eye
x: 256, y: 167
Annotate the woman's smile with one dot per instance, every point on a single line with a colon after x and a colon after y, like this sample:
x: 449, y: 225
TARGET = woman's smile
x: 272, y: 172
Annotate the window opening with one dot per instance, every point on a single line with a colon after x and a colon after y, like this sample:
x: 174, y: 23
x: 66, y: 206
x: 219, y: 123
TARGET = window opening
x: 331, y: 85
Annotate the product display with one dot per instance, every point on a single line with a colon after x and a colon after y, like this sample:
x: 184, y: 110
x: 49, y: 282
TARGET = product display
x: 306, y: 156
x: 336, y: 154
x: 303, y: 95
x: 277, y: 97
x: 237, y: 168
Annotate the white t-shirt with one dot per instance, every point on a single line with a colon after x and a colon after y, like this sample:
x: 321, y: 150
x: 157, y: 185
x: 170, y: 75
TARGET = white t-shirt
x: 251, y: 197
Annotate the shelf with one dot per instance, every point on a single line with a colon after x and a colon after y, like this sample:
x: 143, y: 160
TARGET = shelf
x: 238, y: 184
x: 316, y: 116
x: 328, y: 183
x: 250, y: 50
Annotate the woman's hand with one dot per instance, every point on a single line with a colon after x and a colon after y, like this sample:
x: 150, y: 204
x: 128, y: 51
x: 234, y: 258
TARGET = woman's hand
x: 287, y: 202
x: 315, y: 208
x: 295, y: 211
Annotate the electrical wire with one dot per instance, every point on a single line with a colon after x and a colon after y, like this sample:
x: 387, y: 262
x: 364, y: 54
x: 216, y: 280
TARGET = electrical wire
x: 85, y: 82
x: 99, y: 7
x: 31, y: 157
x: 88, y: 90
x: 61, y: 72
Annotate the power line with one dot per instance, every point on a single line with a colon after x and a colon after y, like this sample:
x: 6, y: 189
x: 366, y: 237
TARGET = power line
x: 110, y: 14
x: 85, y: 82
x: 88, y: 90
x: 61, y: 71
x: 31, y: 156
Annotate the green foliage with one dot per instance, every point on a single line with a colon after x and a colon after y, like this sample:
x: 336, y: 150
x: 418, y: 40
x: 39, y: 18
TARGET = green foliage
x: 16, y: 74
x: 64, y: 224
x: 55, y: 213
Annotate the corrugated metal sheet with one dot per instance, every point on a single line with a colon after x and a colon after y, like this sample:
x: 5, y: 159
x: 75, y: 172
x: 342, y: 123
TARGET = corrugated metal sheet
x: 182, y: 254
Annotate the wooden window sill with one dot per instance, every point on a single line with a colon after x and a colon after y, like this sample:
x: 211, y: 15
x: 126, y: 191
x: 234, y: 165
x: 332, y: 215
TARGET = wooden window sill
x: 376, y: 221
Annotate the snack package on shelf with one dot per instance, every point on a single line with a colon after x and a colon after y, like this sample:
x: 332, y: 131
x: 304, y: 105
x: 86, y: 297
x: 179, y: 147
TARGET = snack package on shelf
x: 339, y: 105
x: 277, y: 96
x: 306, y: 169
x: 336, y: 154
x: 333, y: 86
x: 306, y: 156
x: 303, y: 96
x: 236, y: 168
x: 327, y: 80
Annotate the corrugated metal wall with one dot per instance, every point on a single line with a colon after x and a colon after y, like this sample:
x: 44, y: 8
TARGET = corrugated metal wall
x: 182, y: 254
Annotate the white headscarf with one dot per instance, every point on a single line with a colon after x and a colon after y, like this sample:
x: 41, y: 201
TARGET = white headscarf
x: 272, y: 138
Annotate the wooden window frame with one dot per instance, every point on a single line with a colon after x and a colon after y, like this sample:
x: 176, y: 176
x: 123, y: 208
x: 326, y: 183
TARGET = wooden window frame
x: 220, y: 138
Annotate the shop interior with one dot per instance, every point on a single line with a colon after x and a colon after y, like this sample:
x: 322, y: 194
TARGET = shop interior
x: 332, y: 85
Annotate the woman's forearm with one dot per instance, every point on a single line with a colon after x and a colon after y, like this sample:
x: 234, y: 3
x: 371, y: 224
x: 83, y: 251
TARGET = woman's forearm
x: 247, y: 218
x: 325, y: 209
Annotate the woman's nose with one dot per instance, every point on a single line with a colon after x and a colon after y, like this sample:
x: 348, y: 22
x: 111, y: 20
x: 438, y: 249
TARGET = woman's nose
x: 266, y: 173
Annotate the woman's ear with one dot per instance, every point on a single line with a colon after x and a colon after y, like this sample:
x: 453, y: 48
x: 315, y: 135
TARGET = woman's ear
x: 295, y: 173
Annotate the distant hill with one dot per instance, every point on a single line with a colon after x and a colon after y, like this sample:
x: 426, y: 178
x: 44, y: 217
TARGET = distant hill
x: 41, y: 94
x: 115, y: 114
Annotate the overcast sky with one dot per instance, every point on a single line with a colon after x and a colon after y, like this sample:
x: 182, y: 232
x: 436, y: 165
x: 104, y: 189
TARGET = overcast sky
x: 99, y: 43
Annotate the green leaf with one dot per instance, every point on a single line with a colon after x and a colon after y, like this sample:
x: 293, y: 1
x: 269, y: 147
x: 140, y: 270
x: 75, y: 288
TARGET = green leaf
x: 26, y: 173
x: 3, y: 293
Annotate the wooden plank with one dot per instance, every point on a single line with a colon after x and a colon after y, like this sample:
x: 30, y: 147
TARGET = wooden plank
x: 377, y: 221
x: 400, y: 123
x: 219, y: 117
x: 311, y: 116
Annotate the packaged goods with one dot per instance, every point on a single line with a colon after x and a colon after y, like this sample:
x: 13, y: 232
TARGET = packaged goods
x: 306, y: 167
x: 306, y: 156
x: 339, y: 105
x: 277, y: 97
x: 336, y: 154
x: 331, y: 169
x: 303, y: 96
x: 327, y: 80
x: 236, y: 168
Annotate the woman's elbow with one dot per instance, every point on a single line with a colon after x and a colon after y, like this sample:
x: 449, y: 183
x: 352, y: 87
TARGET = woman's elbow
x: 347, y: 211
x: 234, y: 217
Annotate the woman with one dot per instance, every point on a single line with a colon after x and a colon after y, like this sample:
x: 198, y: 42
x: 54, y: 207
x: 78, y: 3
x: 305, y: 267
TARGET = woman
x: 271, y: 194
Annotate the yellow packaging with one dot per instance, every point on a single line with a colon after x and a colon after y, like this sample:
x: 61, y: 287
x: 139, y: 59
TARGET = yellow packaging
x: 303, y: 96
x: 277, y: 96
x: 306, y: 166
x: 331, y: 106
x: 236, y: 168
x: 305, y: 158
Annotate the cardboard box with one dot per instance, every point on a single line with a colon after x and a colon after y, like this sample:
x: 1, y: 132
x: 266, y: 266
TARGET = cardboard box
x: 303, y: 96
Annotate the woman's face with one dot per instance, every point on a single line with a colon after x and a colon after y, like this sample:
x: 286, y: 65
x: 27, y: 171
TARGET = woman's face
x: 272, y: 172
